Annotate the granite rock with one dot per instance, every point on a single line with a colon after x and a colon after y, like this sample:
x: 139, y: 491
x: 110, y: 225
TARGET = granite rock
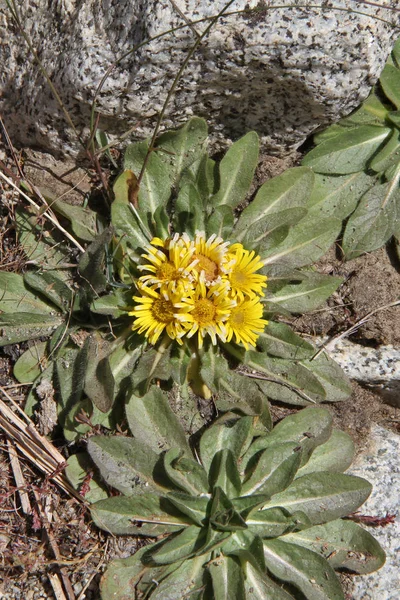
x: 281, y: 71
x: 379, y: 464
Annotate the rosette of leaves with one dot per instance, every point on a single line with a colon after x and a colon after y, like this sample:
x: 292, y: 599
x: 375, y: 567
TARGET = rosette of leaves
x: 357, y: 166
x: 249, y: 515
x: 94, y: 362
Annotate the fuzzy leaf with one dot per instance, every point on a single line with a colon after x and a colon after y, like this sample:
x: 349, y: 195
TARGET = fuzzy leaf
x: 274, y: 469
x: 344, y: 544
x: 91, y: 263
x: 155, y: 187
x: 180, y: 546
x: 15, y: 297
x: 260, y: 587
x: 289, y: 191
x: 136, y: 515
x: 306, y: 295
x: 78, y: 467
x: 115, y: 304
x: 99, y: 380
x: 152, y: 421
x: 272, y: 522
x: 223, y: 517
x: 336, y: 384
x: 83, y: 220
x: 323, y: 496
x: 31, y: 363
x: 123, y: 576
x: 227, y: 579
x: 181, y: 148
x: 236, y: 171
x: 224, y: 473
x: 336, y: 455
x: 125, y: 463
x: 390, y: 82
x: 22, y: 326
x: 227, y: 433
x: 375, y: 219
x: 338, y: 195
x: 280, y: 340
x: 306, y: 570
x: 179, y: 362
x: 189, y: 211
x: 347, y: 152
x: 220, y: 222
x: 154, y: 363
x: 129, y: 226
x: 194, y: 507
x: 387, y: 156
x: 185, y: 473
x: 51, y: 286
x: 187, y: 581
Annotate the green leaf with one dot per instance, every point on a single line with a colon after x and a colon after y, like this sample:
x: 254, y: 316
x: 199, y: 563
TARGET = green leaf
x: 387, y: 156
x: 15, y: 297
x: 123, y: 576
x: 226, y: 433
x: 374, y: 220
x: 305, y: 295
x: 335, y: 383
x: 236, y: 171
x: 220, y: 222
x: 279, y: 195
x: 50, y: 286
x: 307, y: 428
x: 273, y: 470
x: 279, y: 340
x: 223, y: 516
x: 189, y: 211
x: 335, y: 455
x: 323, y: 496
x: 115, y: 304
x: 390, y: 83
x: 83, y: 220
x: 99, y: 380
x: 124, y: 357
x: 194, y: 507
x: 338, y: 195
x: 347, y: 152
x: 180, y: 546
x: 42, y: 246
x: 154, y: 363
x: 129, y: 225
x: 179, y: 361
x: 181, y: 148
x: 227, y: 579
x: 31, y: 363
x: 152, y: 421
x: 126, y: 188
x: 284, y: 380
x: 125, y: 463
x: 344, y: 544
x: 21, y: 326
x: 306, y: 570
x: 185, y: 473
x: 224, y: 473
x: 396, y: 52
x: 79, y: 466
x: 155, y: 187
x: 136, y: 515
x: 184, y: 582
x: 259, y: 586
x: 91, y: 263
x: 305, y: 243
x: 272, y: 522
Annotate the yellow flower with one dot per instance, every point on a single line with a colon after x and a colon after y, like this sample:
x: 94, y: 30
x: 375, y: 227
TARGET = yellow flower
x: 242, y: 276
x: 206, y: 311
x: 245, y: 322
x: 168, y: 266
x: 155, y: 312
x: 211, y: 257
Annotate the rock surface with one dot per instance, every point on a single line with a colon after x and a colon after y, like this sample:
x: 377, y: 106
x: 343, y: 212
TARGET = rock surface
x: 282, y: 72
x: 380, y: 465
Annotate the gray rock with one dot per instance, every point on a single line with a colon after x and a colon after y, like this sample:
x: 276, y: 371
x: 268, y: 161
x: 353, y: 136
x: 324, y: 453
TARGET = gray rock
x: 380, y: 465
x: 378, y: 368
x: 282, y: 72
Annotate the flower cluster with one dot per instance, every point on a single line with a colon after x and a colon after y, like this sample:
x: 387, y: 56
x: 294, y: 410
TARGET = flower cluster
x: 203, y: 286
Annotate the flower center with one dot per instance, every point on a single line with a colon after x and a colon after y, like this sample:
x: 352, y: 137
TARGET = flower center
x: 162, y: 310
x: 207, y: 265
x: 204, y: 312
x: 167, y: 271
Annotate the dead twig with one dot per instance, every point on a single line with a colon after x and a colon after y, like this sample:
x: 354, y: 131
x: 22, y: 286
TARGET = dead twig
x: 19, y: 478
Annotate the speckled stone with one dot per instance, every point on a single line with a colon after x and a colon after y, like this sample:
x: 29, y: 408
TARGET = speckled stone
x: 280, y: 71
x: 379, y: 368
x: 380, y: 465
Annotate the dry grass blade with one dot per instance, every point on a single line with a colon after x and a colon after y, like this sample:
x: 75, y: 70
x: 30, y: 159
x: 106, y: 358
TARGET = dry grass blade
x: 19, y: 478
x: 36, y: 448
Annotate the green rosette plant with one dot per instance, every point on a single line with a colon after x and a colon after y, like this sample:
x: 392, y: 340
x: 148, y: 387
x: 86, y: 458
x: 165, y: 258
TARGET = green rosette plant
x: 176, y: 291
x: 244, y: 515
x: 357, y: 167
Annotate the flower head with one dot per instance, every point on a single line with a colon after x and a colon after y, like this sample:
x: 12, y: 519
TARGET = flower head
x: 245, y: 322
x: 242, y: 275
